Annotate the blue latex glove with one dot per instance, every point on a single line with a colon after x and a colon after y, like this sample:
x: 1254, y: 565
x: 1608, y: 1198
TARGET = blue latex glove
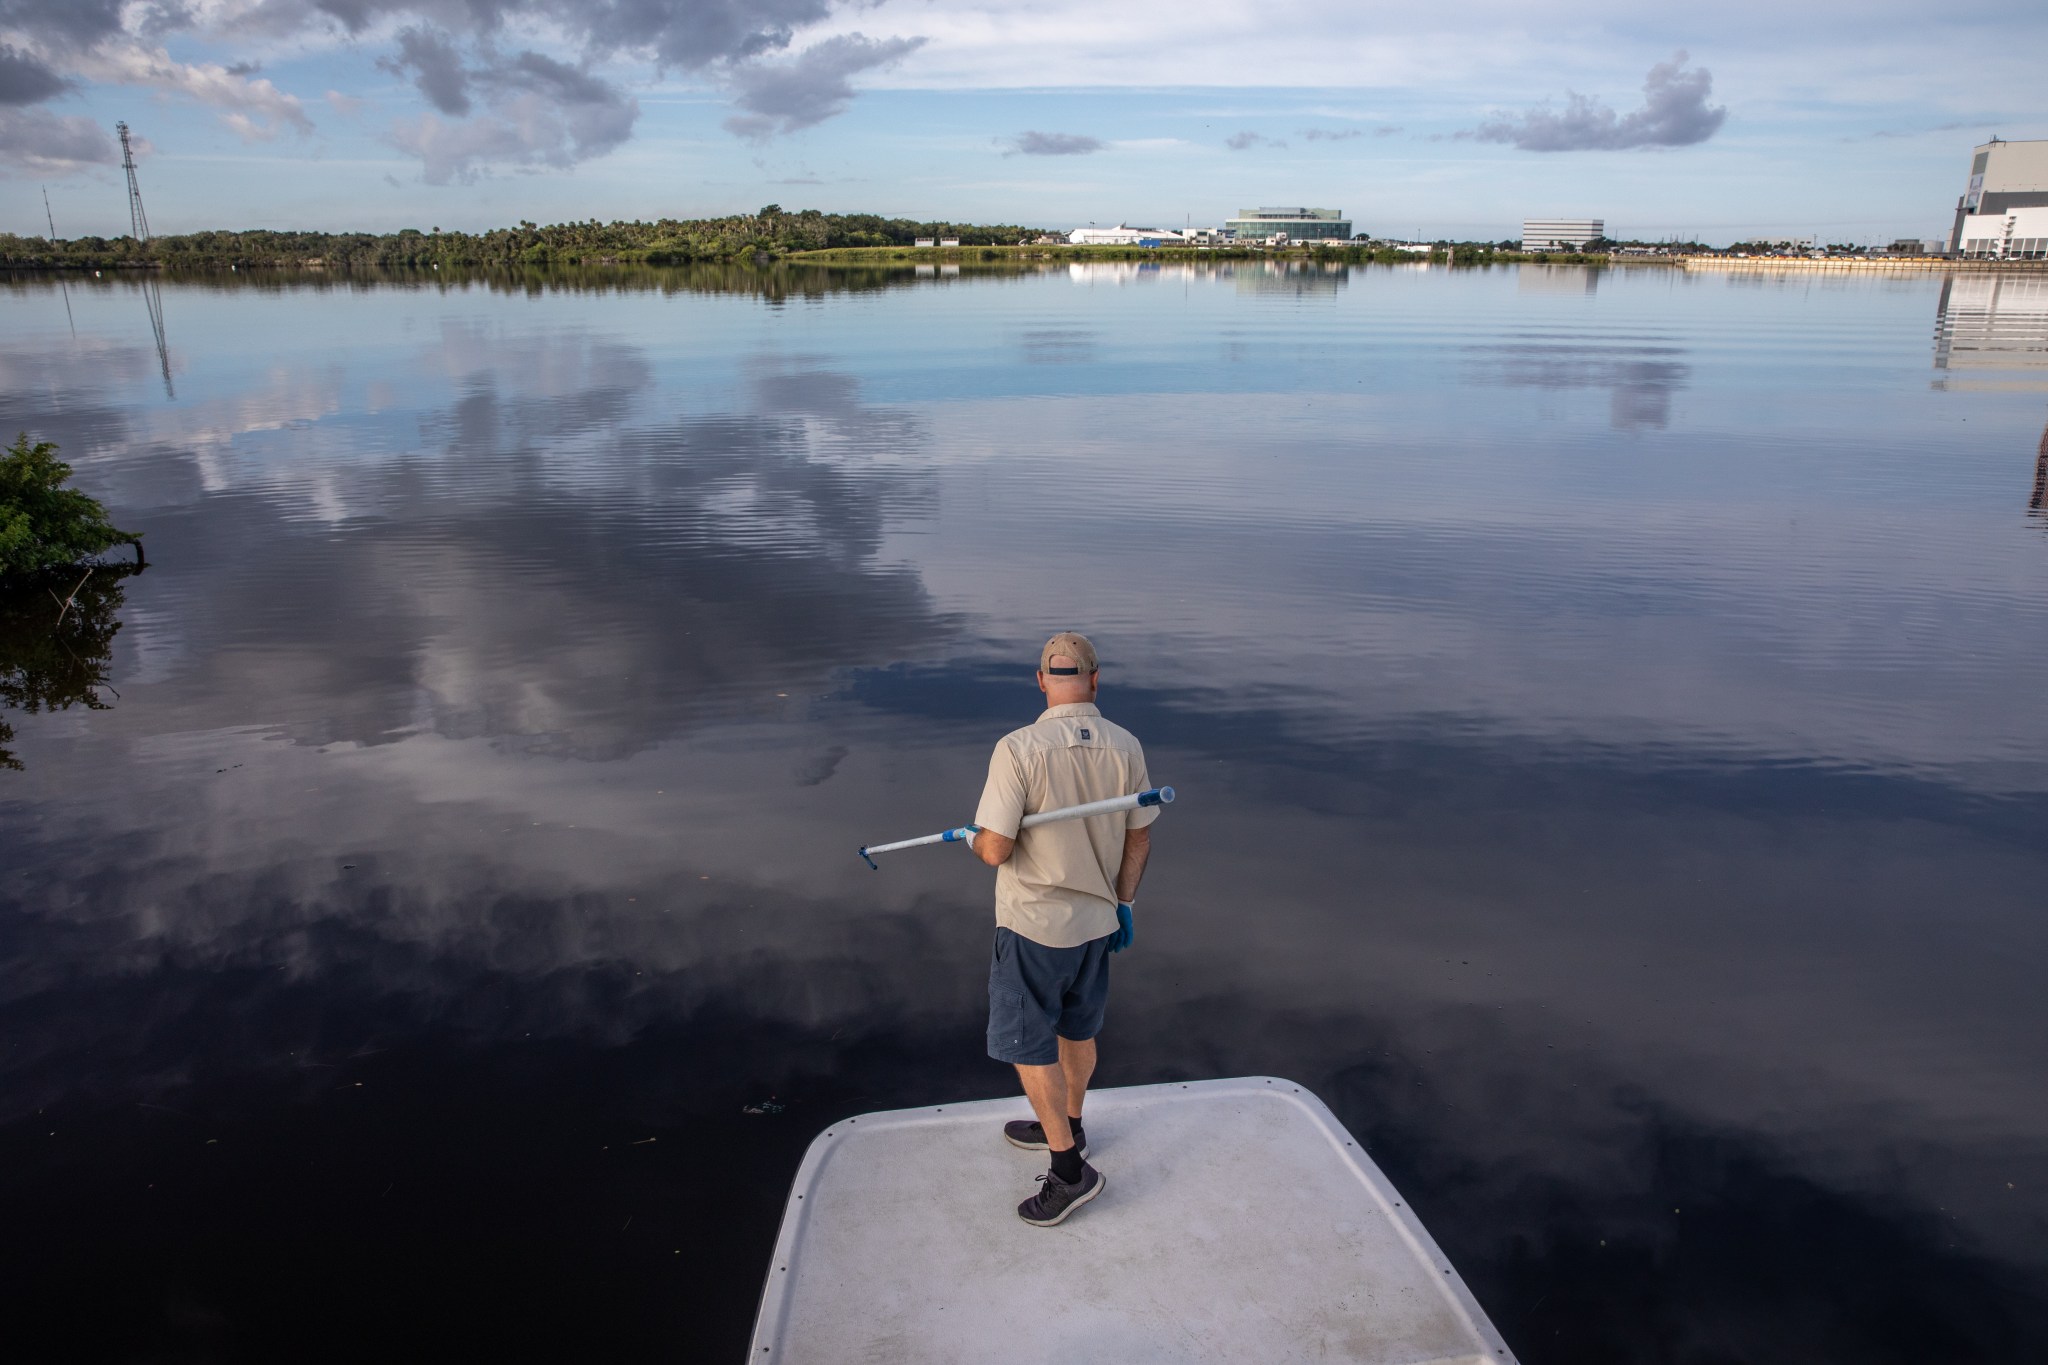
x: 1126, y: 931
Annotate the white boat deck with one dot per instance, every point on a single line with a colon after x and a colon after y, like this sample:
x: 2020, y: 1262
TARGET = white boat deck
x: 1240, y: 1223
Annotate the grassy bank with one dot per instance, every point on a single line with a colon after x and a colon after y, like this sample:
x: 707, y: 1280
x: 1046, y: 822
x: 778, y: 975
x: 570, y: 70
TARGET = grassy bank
x: 1348, y: 253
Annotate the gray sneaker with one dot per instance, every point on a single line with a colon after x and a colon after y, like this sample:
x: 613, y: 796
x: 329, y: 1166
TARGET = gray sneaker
x: 1056, y: 1198
x: 1030, y: 1135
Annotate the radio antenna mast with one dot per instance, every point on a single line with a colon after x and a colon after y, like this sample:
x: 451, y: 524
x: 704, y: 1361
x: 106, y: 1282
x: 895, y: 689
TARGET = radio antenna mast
x: 138, y: 220
x: 139, y: 223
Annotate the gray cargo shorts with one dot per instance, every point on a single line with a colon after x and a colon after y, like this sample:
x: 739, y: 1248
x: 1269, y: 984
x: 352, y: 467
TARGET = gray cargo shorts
x: 1039, y: 995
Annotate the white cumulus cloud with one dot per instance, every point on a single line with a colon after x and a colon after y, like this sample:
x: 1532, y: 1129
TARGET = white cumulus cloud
x: 1675, y: 113
x: 250, y: 105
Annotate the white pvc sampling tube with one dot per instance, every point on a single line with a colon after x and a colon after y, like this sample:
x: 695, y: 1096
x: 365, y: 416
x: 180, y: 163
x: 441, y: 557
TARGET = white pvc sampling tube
x: 1155, y: 796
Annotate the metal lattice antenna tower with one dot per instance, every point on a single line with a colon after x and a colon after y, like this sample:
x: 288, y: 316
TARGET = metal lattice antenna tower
x: 138, y: 221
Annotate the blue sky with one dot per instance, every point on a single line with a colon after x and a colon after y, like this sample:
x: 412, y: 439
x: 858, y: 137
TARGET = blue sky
x: 1853, y: 123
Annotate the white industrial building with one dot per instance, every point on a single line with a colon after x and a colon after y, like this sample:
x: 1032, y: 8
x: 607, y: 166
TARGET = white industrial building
x: 2015, y: 235
x: 1120, y: 235
x: 2006, y: 180
x: 1560, y: 234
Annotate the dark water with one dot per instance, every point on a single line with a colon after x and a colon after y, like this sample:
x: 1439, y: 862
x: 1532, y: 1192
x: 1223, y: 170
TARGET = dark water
x: 1608, y: 712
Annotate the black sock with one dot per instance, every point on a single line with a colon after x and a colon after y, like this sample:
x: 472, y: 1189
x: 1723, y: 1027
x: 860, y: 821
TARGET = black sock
x: 1075, y: 1124
x: 1066, y: 1166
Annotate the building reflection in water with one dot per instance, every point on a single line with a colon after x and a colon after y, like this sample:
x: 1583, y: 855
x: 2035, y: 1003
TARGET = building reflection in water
x: 2038, y: 504
x: 1556, y: 279
x: 1293, y: 278
x: 1640, y: 371
x: 1996, y: 322
x: 1992, y: 322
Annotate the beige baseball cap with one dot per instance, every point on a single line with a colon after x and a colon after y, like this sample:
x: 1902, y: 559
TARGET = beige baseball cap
x: 1075, y: 646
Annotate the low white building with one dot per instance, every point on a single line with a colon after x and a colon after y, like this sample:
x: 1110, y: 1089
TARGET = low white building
x: 925, y: 241
x: 1121, y: 235
x: 2019, y: 234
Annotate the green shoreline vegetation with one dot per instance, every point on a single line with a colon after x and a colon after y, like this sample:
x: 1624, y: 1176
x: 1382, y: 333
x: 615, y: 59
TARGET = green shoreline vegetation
x: 772, y: 233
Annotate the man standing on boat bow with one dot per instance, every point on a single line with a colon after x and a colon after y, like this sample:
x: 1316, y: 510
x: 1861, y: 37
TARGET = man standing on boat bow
x: 1063, y: 905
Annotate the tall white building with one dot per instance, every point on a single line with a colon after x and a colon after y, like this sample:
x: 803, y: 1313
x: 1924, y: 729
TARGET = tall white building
x: 1560, y: 234
x: 2004, y: 176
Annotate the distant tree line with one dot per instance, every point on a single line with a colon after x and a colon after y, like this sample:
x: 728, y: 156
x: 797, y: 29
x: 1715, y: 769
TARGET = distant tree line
x: 669, y: 241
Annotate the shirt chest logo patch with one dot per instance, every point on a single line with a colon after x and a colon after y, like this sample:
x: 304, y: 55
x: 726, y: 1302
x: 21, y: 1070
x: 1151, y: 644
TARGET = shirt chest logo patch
x: 1085, y: 734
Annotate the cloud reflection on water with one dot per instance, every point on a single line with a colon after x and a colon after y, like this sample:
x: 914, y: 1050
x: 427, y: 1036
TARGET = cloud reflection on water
x: 552, y: 564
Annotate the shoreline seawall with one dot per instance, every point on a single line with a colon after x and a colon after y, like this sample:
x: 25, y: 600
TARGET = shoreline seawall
x: 1851, y: 265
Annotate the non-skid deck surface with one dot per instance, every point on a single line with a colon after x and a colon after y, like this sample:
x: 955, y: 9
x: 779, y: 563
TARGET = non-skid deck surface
x: 1241, y: 1223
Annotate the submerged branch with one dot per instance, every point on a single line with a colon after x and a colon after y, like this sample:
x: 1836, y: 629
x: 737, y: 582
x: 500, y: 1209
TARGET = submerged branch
x: 65, y: 604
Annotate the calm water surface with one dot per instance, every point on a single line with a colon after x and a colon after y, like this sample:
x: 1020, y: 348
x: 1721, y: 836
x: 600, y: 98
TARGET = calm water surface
x: 1608, y: 713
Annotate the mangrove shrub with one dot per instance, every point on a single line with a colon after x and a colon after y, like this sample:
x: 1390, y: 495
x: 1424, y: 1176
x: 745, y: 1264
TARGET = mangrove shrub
x: 44, y: 525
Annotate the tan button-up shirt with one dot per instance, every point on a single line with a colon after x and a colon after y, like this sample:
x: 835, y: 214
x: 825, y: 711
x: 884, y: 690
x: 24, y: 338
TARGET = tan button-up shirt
x: 1059, y: 887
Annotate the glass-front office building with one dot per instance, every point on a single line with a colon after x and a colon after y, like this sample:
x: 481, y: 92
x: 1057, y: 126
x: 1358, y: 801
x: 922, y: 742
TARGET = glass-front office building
x: 1300, y: 225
